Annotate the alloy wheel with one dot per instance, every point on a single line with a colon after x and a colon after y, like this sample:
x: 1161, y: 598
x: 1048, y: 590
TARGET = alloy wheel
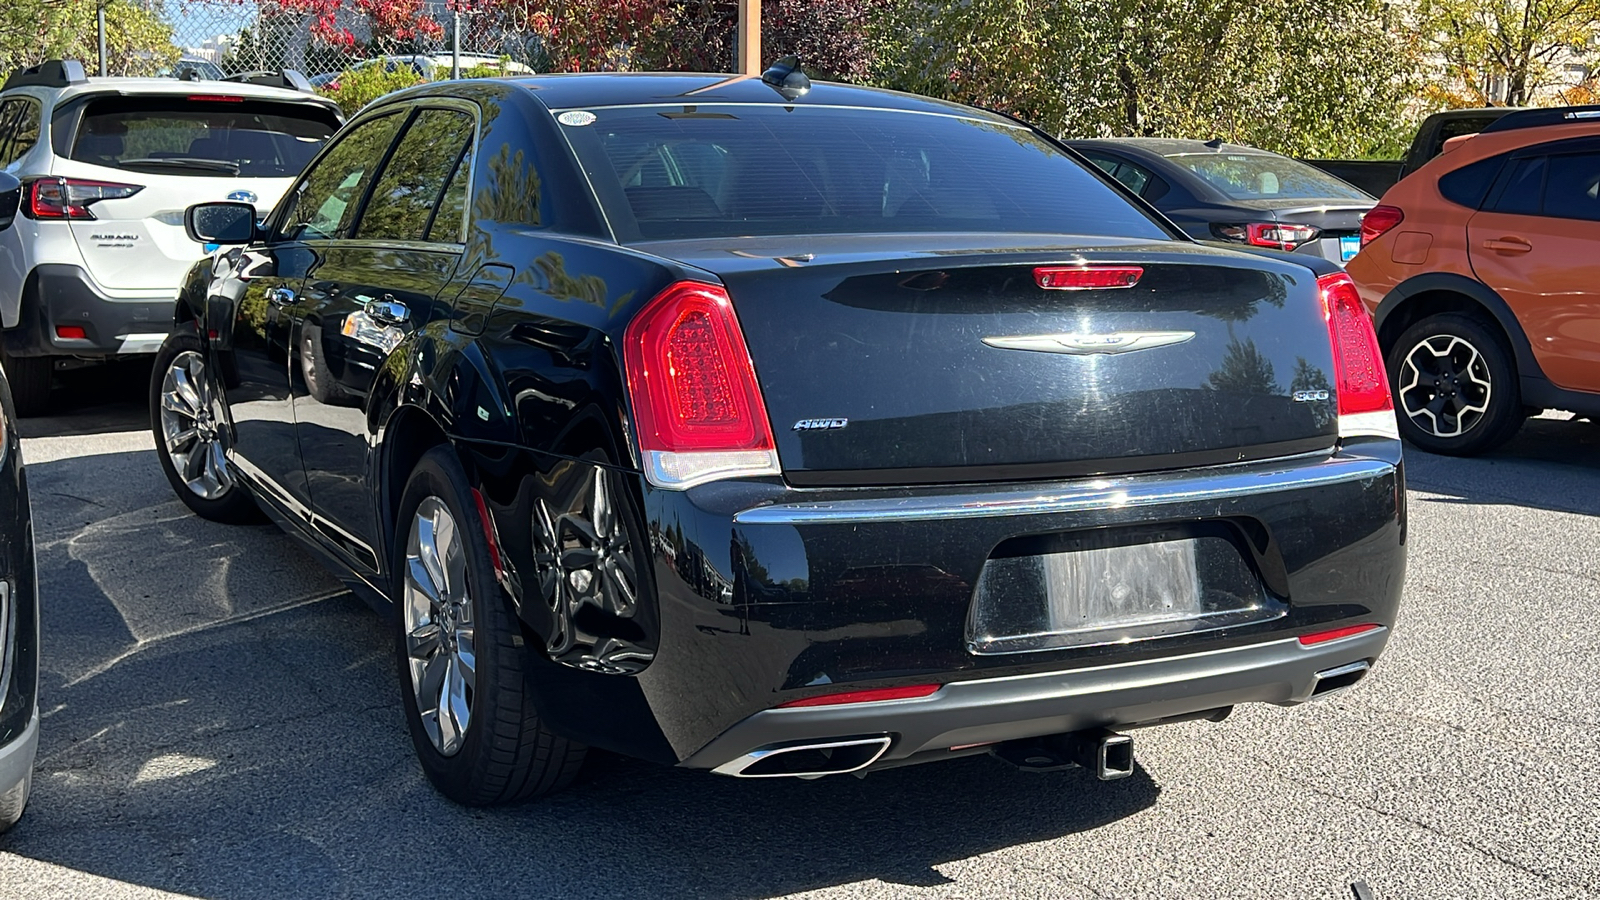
x: 1444, y: 386
x: 583, y: 558
x: 437, y: 610
x: 193, y: 426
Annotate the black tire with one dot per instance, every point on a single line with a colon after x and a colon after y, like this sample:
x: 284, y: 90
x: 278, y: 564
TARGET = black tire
x: 320, y: 383
x: 234, y: 505
x: 1470, y: 401
x: 30, y: 378
x: 505, y: 754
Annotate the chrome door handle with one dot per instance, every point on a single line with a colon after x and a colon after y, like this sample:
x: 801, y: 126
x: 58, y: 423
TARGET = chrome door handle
x: 280, y: 297
x: 388, y: 311
x: 1508, y: 245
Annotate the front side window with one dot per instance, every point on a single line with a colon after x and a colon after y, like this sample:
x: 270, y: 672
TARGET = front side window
x: 324, y: 204
x: 413, y: 182
x: 200, y: 135
x: 711, y: 170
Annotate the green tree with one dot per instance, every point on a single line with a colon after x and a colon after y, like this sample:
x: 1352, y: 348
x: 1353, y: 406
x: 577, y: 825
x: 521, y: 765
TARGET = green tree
x: 138, y: 42
x: 1520, y: 44
x: 1330, y: 78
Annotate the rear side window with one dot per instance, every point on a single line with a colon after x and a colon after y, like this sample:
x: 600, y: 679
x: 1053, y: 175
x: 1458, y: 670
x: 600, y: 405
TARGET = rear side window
x: 19, y: 129
x: 414, y: 180
x: 1469, y: 184
x: 1523, y: 189
x: 1572, y: 187
x: 181, y: 135
x: 709, y: 170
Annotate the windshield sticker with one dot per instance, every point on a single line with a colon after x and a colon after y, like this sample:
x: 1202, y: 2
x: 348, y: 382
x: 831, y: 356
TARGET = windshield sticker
x: 576, y: 117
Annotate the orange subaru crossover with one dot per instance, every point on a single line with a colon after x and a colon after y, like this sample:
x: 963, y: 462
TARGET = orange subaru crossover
x: 1482, y: 270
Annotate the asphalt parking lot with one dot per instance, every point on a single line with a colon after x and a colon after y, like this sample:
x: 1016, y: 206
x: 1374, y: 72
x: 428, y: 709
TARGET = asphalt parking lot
x: 221, y: 720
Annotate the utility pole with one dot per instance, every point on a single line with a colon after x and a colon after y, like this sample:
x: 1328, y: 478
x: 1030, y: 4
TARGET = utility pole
x: 455, y: 44
x: 749, y: 37
x: 100, y: 26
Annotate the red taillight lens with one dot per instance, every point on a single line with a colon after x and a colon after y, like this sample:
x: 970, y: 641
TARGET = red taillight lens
x: 71, y: 333
x: 895, y: 693
x: 1086, y: 278
x: 1277, y: 235
x: 70, y: 198
x: 216, y: 98
x: 1322, y: 637
x: 696, y: 404
x: 1365, y: 406
x: 1378, y: 220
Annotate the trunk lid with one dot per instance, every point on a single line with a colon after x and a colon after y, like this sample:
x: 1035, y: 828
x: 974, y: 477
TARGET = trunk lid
x: 897, y: 356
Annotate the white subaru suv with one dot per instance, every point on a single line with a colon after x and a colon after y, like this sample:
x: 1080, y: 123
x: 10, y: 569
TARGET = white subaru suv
x: 92, y: 262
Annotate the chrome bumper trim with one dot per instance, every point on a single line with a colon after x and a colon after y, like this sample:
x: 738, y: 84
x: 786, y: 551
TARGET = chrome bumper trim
x: 1219, y: 483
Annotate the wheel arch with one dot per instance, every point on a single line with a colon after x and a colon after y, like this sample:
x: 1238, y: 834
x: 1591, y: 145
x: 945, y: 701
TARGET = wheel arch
x: 1439, y: 292
x: 409, y: 432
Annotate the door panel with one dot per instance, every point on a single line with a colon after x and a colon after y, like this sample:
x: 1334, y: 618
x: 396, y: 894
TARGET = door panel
x: 349, y: 330
x: 1536, y: 248
x: 255, y: 365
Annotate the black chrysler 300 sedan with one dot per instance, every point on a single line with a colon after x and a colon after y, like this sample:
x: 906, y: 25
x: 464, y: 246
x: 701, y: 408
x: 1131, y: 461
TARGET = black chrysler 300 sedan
x: 784, y: 432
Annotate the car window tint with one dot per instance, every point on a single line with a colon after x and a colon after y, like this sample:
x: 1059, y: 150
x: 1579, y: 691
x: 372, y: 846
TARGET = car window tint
x: 1108, y: 165
x: 178, y: 135
x: 8, y: 116
x: 1468, y: 184
x: 1572, y: 187
x: 1132, y: 177
x: 711, y: 170
x: 25, y: 133
x: 449, y: 221
x: 413, y: 181
x: 1265, y: 176
x: 1521, y: 194
x: 326, y: 199
x: 1450, y: 128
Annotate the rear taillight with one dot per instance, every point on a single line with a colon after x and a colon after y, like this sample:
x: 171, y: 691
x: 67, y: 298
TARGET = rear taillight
x: 696, y: 404
x: 1362, y: 387
x: 1277, y: 235
x: 1378, y: 220
x: 1086, y: 277
x: 70, y: 198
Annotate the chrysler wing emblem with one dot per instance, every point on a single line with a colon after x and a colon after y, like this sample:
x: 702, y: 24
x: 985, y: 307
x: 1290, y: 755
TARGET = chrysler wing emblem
x: 1086, y: 344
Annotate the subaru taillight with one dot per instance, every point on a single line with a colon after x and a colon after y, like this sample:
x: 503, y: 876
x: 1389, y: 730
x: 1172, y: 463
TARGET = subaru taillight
x: 1277, y: 235
x: 70, y: 198
x: 1378, y: 220
x: 696, y: 405
x: 1362, y: 386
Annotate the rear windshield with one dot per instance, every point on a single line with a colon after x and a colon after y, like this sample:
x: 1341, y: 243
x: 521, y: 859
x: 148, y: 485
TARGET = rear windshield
x: 181, y: 135
x: 1263, y: 176
x: 671, y: 172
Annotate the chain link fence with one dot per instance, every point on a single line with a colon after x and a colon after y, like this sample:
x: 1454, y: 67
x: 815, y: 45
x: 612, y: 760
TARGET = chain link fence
x: 321, y: 38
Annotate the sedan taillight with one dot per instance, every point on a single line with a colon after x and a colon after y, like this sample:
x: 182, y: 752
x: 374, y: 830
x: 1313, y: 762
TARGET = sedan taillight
x: 70, y: 198
x: 1277, y: 235
x: 1364, y: 404
x: 696, y: 404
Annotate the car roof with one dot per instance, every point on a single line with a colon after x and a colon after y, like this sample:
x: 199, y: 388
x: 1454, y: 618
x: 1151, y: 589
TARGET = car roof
x: 114, y: 84
x: 594, y: 90
x: 1167, y: 146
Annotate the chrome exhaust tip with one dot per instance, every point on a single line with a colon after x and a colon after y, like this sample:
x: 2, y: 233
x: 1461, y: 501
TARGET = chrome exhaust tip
x: 812, y: 759
x: 1331, y: 681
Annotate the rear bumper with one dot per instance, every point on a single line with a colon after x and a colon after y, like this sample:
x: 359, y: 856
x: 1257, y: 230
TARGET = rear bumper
x: 16, y: 758
x: 57, y: 294
x: 969, y: 714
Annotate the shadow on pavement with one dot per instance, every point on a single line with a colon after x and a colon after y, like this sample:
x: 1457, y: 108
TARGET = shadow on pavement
x: 1550, y: 464
x: 97, y: 399
x: 223, y: 721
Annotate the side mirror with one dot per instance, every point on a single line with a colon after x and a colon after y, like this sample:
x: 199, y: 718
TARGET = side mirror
x: 10, y: 197
x: 220, y: 223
